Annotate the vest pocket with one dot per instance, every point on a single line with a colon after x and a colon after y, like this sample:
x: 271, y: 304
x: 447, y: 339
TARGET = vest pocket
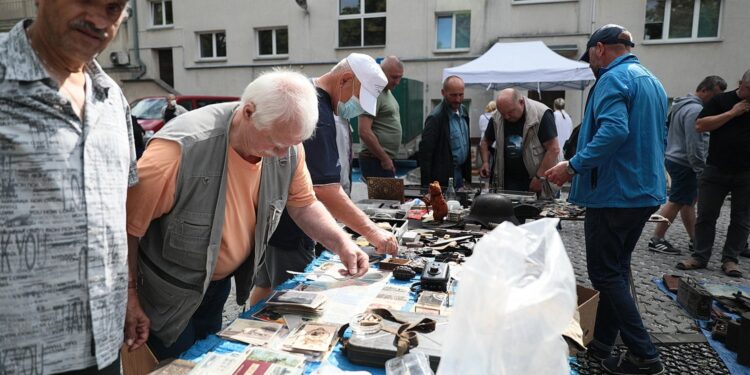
x: 188, y: 243
x: 537, y: 150
x: 160, y: 299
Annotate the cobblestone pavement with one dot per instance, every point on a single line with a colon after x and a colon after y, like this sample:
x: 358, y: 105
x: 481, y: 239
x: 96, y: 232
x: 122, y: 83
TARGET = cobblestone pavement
x: 660, y: 313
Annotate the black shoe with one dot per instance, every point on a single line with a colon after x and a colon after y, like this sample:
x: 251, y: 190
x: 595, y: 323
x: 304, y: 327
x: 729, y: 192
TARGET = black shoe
x: 597, y: 351
x: 746, y: 253
x: 691, y: 246
x: 663, y: 246
x: 626, y: 364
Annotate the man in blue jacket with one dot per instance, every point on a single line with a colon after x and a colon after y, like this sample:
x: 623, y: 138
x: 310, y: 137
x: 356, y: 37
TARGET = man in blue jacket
x: 618, y: 175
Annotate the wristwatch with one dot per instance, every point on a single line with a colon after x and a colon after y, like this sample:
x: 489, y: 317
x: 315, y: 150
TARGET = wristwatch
x: 570, y: 170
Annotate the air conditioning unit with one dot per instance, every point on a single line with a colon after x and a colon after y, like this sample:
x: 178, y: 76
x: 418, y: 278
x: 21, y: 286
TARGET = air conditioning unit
x: 119, y: 58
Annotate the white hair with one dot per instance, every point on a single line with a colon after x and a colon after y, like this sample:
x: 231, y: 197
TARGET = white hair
x: 283, y: 97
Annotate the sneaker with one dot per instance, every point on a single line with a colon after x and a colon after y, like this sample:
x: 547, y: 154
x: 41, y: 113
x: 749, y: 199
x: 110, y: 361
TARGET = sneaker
x: 627, y: 364
x: 663, y: 246
x: 597, y: 351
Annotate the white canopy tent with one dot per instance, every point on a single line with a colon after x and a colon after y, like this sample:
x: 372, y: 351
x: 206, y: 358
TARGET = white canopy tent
x: 528, y: 65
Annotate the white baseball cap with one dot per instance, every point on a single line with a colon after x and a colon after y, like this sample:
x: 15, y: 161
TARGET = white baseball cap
x: 371, y: 77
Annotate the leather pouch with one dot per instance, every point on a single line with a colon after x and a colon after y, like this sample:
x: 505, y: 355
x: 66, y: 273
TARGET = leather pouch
x: 374, y: 349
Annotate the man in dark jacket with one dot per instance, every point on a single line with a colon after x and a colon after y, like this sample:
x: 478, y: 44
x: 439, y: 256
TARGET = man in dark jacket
x: 444, y: 151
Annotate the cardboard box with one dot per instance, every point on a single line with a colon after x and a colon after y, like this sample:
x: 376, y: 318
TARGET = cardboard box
x: 138, y: 362
x: 588, y: 302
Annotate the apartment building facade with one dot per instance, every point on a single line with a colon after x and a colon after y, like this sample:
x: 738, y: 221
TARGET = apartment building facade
x: 217, y: 47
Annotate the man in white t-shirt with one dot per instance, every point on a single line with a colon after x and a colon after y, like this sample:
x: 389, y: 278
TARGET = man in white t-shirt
x: 563, y: 122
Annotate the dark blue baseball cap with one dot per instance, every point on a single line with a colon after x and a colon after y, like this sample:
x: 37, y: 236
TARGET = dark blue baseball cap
x: 607, y: 34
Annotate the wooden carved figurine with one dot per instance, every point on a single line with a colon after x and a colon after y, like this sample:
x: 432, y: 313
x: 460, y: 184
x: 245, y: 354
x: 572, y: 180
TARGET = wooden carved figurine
x: 435, y: 199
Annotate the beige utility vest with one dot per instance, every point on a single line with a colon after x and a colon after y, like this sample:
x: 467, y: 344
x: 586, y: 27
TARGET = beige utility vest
x: 532, y: 149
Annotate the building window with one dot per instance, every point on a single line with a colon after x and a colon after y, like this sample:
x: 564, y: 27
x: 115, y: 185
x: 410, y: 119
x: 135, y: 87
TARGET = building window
x: 453, y: 31
x: 361, y: 23
x: 212, y: 45
x: 161, y: 13
x: 682, y: 19
x: 273, y: 42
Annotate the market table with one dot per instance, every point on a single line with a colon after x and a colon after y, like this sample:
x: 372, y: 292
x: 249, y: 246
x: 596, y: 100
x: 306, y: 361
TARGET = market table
x: 337, y: 358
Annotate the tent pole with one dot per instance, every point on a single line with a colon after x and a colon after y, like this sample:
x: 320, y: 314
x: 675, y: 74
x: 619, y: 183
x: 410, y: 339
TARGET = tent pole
x: 539, y: 91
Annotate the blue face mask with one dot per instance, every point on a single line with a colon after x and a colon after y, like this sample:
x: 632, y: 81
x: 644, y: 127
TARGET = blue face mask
x: 350, y: 109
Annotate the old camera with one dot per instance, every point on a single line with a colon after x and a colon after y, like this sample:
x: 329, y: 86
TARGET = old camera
x: 435, y: 277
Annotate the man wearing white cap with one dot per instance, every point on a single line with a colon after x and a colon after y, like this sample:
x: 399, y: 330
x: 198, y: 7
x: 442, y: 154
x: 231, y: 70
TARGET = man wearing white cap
x: 348, y: 90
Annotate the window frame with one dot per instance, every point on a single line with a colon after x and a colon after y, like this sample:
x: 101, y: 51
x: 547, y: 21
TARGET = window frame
x: 665, y: 39
x: 453, y: 48
x: 359, y: 16
x: 214, y: 49
x: 165, y: 25
x: 275, y: 54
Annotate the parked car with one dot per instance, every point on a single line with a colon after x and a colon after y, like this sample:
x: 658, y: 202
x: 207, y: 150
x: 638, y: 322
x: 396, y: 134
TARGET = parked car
x: 148, y: 110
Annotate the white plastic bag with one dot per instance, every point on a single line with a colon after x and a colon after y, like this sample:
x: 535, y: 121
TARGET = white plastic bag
x: 516, y: 296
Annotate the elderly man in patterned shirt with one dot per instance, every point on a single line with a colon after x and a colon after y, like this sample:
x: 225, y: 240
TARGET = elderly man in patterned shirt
x: 66, y: 161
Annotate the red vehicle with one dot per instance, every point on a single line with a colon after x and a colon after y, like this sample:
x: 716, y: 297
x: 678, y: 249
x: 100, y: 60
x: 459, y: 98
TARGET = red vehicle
x: 148, y: 110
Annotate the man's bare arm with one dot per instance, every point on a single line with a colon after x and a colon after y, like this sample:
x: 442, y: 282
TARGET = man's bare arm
x: 317, y: 223
x: 371, y: 141
x: 551, y: 154
x: 343, y: 209
x: 710, y: 123
x: 136, y: 322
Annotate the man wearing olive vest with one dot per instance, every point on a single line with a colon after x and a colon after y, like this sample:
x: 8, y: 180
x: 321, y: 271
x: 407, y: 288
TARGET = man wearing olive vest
x: 215, y: 182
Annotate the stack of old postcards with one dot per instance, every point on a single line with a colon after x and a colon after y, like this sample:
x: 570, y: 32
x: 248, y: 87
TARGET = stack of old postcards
x: 297, y: 302
x: 253, y: 332
x: 251, y: 361
x: 314, y: 339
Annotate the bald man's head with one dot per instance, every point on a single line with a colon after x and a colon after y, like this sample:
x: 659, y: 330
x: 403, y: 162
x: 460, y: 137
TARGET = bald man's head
x: 511, y: 104
x: 393, y: 69
x: 453, y: 92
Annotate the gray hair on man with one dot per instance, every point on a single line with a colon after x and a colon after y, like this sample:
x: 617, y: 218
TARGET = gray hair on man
x: 511, y: 94
x: 283, y: 97
x: 559, y: 103
x: 746, y: 76
x: 392, y: 61
x: 451, y: 78
x: 712, y: 82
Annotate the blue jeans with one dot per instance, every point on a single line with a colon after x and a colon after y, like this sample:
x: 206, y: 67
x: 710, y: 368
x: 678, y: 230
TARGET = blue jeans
x: 370, y: 167
x: 611, y: 235
x: 458, y: 177
x: 205, y: 321
x: 715, y: 184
